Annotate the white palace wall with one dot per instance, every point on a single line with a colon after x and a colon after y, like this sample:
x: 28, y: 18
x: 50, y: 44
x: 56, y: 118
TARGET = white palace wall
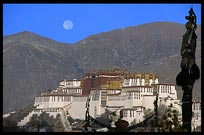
x: 78, y: 108
x: 148, y: 101
x: 130, y: 98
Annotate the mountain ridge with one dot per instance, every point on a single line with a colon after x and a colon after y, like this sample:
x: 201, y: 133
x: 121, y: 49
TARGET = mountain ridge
x: 34, y: 67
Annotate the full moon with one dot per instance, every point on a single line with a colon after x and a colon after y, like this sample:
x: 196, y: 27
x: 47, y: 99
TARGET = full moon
x: 68, y: 24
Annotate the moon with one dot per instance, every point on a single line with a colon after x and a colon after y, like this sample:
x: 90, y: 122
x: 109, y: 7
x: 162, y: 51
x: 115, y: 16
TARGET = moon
x: 68, y: 24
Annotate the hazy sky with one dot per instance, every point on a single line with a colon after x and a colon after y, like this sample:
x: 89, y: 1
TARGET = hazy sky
x: 88, y: 19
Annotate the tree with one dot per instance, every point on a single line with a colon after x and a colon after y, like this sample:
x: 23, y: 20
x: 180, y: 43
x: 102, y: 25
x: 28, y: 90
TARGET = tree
x: 170, y: 122
x: 42, y: 121
x: 34, y: 122
x: 58, y: 125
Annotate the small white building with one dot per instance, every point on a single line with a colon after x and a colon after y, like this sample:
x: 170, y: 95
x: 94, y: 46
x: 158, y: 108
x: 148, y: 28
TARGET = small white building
x: 196, y: 118
x: 70, y: 83
x: 133, y: 115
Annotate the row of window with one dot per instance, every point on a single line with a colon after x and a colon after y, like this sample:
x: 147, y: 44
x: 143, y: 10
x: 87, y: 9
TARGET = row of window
x: 137, y: 95
x: 165, y: 87
x: 196, y: 107
x: 144, y: 90
x: 53, y: 99
x: 131, y: 113
x: 72, y: 91
x: 134, y: 82
x: 60, y: 98
x: 42, y: 99
x: 139, y: 81
x: 148, y: 90
x: 38, y: 99
x: 95, y: 97
x: 112, y: 98
x: 165, y: 91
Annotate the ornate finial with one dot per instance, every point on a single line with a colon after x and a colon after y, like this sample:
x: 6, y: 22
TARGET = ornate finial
x: 191, y: 24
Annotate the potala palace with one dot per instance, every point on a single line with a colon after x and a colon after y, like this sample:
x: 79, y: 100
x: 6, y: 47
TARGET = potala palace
x: 127, y: 94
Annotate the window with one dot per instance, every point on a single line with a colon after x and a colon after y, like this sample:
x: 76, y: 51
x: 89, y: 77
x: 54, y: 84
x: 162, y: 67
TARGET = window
x: 126, y: 82
x: 130, y: 95
x: 95, y: 111
x: 140, y: 82
x: 135, y: 95
x: 124, y: 113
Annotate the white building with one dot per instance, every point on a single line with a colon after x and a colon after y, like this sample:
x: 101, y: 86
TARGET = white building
x: 196, y: 118
x: 130, y: 93
x: 129, y: 98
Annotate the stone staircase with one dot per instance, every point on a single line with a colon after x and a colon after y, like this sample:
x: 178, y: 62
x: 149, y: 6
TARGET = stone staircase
x: 7, y: 114
x: 25, y: 119
x: 64, y: 119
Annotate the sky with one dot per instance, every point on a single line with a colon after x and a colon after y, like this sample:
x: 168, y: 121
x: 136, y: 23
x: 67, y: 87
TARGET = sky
x: 88, y: 19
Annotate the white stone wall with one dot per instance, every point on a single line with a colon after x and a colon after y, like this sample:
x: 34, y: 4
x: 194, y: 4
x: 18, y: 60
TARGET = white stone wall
x: 115, y: 101
x: 148, y: 102
x: 130, y: 97
x: 95, y: 108
x: 150, y: 81
x: 59, y: 101
x: 138, y: 82
x: 128, y: 103
x: 78, y: 110
x: 156, y: 81
x: 143, y: 82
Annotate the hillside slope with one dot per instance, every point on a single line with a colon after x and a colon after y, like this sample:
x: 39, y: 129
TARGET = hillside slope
x: 33, y: 64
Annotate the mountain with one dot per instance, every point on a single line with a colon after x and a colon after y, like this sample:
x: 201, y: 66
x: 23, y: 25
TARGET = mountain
x: 33, y: 64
